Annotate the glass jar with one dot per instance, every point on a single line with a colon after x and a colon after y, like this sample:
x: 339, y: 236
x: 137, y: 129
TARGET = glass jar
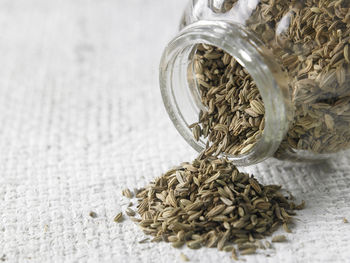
x: 297, y: 53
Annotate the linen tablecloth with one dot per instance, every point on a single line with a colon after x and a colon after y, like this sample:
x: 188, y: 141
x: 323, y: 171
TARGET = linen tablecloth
x: 82, y: 118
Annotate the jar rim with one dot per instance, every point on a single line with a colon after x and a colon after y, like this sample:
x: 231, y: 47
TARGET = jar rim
x: 241, y: 45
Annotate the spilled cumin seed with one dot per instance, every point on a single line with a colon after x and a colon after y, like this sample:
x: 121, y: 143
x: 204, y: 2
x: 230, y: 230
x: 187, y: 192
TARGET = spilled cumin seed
x: 280, y: 238
x: 118, y: 218
x: 93, y: 214
x: 210, y: 203
x: 127, y: 193
x: 184, y: 257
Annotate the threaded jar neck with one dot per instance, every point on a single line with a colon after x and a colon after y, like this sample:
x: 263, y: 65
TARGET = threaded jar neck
x: 180, y: 93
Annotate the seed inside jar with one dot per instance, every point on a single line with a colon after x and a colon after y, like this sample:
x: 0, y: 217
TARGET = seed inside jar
x: 313, y: 50
x: 234, y: 117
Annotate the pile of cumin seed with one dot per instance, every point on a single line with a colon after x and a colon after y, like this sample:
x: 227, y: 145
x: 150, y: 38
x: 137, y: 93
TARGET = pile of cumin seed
x: 210, y: 203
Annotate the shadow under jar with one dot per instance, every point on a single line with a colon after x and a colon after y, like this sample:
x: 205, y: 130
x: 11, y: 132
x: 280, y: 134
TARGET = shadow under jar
x: 279, y: 68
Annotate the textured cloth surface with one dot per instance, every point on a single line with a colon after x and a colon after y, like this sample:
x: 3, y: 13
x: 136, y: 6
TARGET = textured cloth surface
x: 82, y: 118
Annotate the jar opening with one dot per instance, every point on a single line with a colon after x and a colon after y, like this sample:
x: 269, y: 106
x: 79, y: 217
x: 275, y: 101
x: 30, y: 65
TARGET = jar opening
x: 179, y: 84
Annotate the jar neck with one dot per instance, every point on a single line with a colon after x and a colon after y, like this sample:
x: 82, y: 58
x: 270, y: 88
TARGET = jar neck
x: 181, y: 95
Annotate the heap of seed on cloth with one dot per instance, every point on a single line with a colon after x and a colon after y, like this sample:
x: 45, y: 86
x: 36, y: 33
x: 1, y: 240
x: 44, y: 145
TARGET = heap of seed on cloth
x: 210, y: 203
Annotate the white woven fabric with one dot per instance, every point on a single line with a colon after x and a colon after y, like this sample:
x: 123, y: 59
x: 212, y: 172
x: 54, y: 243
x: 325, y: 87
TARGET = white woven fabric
x: 82, y: 118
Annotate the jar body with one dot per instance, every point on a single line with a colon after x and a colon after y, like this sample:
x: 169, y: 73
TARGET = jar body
x: 305, y: 47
